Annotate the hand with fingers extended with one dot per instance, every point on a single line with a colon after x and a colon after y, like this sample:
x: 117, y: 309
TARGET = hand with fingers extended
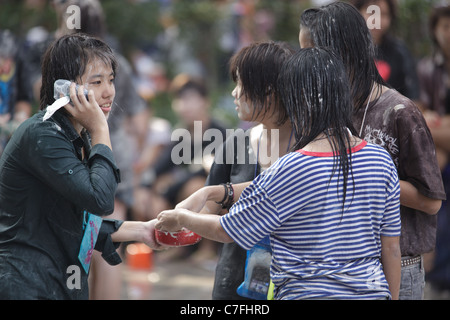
x: 86, y: 113
x: 85, y: 109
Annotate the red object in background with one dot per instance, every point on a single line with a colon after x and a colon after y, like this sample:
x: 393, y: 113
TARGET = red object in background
x: 139, y: 256
x: 177, y: 239
x: 384, y: 69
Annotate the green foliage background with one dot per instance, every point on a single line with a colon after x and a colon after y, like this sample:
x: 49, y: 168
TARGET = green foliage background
x: 139, y: 22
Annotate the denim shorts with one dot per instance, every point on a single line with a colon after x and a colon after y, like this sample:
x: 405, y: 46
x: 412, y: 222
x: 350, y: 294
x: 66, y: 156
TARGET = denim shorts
x: 412, y: 282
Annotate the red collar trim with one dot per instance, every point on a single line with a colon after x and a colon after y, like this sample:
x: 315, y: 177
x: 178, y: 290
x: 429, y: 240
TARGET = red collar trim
x: 331, y: 154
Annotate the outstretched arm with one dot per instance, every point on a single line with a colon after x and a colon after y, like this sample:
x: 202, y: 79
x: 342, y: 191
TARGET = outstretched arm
x: 206, y: 225
x: 137, y: 231
x: 198, y: 199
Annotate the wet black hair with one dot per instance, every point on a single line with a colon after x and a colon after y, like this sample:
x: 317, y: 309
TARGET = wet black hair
x: 341, y: 27
x: 257, y: 67
x: 316, y: 94
x: 67, y: 58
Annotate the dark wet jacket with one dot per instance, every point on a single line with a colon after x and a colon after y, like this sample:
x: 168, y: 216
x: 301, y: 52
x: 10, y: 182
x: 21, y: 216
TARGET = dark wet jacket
x: 45, y: 186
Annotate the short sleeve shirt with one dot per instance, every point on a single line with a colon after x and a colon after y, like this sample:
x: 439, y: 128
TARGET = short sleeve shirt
x: 395, y: 123
x: 318, y: 250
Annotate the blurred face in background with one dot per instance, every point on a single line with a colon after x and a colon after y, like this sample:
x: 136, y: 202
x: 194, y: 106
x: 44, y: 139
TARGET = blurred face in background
x: 6, y: 65
x: 190, y: 106
x: 442, y: 34
x: 385, y: 19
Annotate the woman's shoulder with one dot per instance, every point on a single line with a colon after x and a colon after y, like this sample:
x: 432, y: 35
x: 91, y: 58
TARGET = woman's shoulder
x: 34, y: 129
x: 372, y: 151
x: 391, y: 97
x: 374, y: 148
x: 401, y: 108
x: 393, y: 105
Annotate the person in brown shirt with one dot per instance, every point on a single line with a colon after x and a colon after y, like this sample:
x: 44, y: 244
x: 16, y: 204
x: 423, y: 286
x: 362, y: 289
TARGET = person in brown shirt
x: 385, y: 117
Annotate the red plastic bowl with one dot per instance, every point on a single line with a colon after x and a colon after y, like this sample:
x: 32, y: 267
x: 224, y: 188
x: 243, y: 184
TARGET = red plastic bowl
x: 177, y: 239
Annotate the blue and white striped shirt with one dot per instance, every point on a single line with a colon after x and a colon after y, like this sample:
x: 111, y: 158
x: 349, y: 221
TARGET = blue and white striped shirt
x: 319, y: 251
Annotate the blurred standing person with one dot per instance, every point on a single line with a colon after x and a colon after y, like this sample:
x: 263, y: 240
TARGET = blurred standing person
x: 434, y: 76
x: 394, y: 61
x: 192, y: 106
x: 157, y: 139
x: 150, y: 79
x: 385, y: 117
x: 15, y: 97
x: 176, y: 179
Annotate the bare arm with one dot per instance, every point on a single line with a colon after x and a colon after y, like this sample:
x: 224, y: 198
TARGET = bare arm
x: 197, y: 201
x: 391, y: 261
x: 137, y: 231
x: 411, y: 197
x: 206, y: 225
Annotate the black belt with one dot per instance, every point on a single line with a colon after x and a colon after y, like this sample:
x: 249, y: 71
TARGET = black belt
x: 409, y: 261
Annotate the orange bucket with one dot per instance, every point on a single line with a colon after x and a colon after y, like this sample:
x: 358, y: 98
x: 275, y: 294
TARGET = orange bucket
x: 139, y: 256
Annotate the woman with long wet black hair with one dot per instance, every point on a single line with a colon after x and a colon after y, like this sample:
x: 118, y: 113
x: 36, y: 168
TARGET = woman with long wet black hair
x: 308, y: 101
x: 351, y: 39
x: 331, y: 207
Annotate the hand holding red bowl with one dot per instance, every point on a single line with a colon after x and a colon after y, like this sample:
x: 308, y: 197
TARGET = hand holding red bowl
x: 180, y: 238
x: 169, y: 230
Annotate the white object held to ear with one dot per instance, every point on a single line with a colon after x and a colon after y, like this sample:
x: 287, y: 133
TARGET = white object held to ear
x: 61, y: 95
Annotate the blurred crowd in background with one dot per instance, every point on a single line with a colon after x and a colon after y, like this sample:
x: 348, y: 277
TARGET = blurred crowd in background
x: 174, y: 71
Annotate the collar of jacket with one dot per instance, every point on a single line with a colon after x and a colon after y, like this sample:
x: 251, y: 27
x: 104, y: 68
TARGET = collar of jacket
x: 84, y: 140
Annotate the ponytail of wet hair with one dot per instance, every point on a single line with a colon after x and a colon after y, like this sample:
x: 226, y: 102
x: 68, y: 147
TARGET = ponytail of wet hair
x: 316, y: 94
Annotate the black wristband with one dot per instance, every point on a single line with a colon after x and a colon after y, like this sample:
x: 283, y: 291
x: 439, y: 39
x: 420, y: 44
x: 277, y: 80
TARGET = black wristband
x: 225, y: 196
x: 230, y: 200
